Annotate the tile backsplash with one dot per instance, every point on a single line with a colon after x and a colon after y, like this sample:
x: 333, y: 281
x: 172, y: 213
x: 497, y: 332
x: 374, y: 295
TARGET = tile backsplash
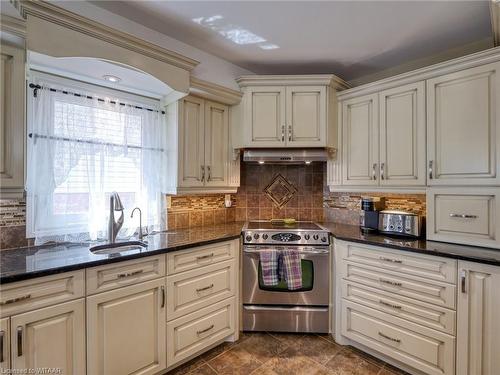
x: 345, y: 207
x: 12, y: 223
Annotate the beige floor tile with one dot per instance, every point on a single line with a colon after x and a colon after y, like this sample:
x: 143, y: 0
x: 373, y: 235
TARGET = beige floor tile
x: 263, y: 346
x: 187, y: 367
x: 203, y: 370
x: 235, y: 361
x: 316, y: 348
x: 291, y: 362
x: 349, y: 363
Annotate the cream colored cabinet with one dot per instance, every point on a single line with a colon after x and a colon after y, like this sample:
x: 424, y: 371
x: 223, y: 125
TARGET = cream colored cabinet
x: 402, y: 135
x: 200, y: 158
x: 463, y: 127
x: 12, y: 127
x: 360, y: 141
x: 126, y: 330
x: 478, y: 326
x: 4, y: 344
x: 384, y: 138
x: 287, y: 111
x: 52, y: 337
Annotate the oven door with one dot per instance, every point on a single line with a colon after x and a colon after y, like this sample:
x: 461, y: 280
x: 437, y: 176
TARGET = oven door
x: 315, y: 264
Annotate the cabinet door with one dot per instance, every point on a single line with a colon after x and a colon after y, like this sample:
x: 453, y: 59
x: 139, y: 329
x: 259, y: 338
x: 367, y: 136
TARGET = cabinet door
x: 360, y: 140
x: 478, y: 326
x: 191, y: 142
x: 12, y: 119
x: 265, y: 116
x: 126, y: 330
x: 52, y: 337
x: 402, y: 135
x: 4, y: 344
x: 463, y: 127
x: 216, y: 144
x: 306, y: 116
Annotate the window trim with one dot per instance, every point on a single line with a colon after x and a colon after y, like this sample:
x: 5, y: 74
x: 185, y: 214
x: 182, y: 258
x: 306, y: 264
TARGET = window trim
x: 74, y: 85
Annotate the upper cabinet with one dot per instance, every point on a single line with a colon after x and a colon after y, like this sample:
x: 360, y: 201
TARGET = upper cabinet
x: 287, y: 111
x: 463, y: 126
x: 12, y: 126
x: 200, y: 157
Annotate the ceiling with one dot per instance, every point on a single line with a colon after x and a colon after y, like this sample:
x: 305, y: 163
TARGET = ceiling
x: 349, y: 38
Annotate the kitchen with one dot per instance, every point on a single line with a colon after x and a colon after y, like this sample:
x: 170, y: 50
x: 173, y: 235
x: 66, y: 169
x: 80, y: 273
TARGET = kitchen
x: 188, y: 189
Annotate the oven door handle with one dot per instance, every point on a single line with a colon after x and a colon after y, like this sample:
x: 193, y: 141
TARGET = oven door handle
x: 302, y: 251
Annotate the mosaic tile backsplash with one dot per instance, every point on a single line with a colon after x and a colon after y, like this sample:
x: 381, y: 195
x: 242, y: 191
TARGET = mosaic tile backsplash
x: 12, y: 223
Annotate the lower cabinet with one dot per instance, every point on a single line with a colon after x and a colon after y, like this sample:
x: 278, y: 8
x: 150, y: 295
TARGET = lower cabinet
x: 126, y: 330
x: 478, y: 325
x: 4, y: 344
x: 52, y: 337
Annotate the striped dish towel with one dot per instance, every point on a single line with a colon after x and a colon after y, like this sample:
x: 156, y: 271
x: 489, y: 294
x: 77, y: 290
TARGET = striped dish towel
x: 269, y: 265
x: 291, y: 269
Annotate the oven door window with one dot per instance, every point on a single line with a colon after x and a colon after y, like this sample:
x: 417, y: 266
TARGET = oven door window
x: 307, y: 280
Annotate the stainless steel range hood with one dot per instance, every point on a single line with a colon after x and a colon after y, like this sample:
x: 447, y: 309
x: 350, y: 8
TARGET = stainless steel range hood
x: 284, y: 156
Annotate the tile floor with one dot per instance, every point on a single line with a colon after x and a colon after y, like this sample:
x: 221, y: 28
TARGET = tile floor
x: 285, y: 354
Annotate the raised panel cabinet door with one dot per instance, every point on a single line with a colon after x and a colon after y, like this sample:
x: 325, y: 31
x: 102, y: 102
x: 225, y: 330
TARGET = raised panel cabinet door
x: 192, y: 169
x: 265, y: 116
x: 52, y: 337
x: 402, y: 135
x: 11, y: 118
x: 478, y: 326
x: 463, y: 127
x: 360, y: 141
x: 216, y: 144
x: 126, y: 330
x: 306, y: 116
x: 4, y: 344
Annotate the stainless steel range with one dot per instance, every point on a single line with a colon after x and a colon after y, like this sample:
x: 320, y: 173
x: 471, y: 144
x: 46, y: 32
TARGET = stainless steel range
x: 277, y: 308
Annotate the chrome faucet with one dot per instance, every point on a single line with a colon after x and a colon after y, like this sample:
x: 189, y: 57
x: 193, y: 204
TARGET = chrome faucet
x: 141, y: 235
x: 115, y: 204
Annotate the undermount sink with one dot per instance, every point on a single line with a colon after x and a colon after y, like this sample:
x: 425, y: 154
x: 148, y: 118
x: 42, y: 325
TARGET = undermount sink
x: 117, y: 247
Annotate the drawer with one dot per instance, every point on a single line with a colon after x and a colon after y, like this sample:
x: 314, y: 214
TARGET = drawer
x: 423, y: 313
x: 200, y: 256
x: 464, y: 215
x: 434, y: 292
x: 425, y: 349
x: 189, y: 291
x: 192, y: 333
x: 116, y: 275
x: 40, y: 292
x: 429, y: 267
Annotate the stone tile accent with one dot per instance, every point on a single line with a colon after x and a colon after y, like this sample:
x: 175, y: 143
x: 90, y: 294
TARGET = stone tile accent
x: 12, y: 212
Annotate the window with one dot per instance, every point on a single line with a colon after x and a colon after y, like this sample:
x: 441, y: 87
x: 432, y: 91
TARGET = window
x: 84, y: 147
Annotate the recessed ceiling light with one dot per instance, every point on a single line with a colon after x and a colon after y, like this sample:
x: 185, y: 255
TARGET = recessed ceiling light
x: 268, y: 46
x: 261, y: 162
x: 111, y: 78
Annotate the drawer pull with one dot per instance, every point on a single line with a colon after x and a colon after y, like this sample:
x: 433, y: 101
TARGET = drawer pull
x: 391, y: 260
x: 388, y: 337
x: 464, y: 216
x: 162, y: 297
x: 128, y: 274
x: 390, y: 305
x: 2, y: 338
x: 205, y: 288
x: 393, y: 283
x: 19, y: 341
x: 205, y: 256
x: 374, y: 174
x: 13, y: 300
x: 463, y: 281
x: 431, y: 170
x: 205, y: 330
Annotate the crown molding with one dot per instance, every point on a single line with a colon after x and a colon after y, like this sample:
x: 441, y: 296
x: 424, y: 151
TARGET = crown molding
x: 13, y: 25
x: 212, y: 91
x: 299, y: 80
x: 57, y: 15
x: 495, y: 20
x: 450, y: 66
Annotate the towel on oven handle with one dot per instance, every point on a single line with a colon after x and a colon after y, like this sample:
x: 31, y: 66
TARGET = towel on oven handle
x: 269, y: 263
x: 291, y: 269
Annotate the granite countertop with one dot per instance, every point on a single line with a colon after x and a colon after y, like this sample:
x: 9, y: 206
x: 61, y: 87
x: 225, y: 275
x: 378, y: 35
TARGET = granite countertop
x: 30, y: 262
x: 422, y: 246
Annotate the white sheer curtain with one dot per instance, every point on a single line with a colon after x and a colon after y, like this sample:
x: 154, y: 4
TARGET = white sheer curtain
x: 81, y: 150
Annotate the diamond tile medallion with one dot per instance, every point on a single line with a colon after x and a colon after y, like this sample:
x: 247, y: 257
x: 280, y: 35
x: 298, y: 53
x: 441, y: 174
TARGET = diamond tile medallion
x: 280, y: 190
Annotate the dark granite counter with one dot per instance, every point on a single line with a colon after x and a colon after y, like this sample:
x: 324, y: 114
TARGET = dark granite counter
x: 30, y: 262
x: 422, y: 246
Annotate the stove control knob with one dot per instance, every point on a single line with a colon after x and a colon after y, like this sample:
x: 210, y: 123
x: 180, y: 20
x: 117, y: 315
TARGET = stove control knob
x: 316, y: 237
x: 307, y: 237
x: 256, y: 236
x: 323, y: 239
x: 248, y: 238
x: 265, y: 236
